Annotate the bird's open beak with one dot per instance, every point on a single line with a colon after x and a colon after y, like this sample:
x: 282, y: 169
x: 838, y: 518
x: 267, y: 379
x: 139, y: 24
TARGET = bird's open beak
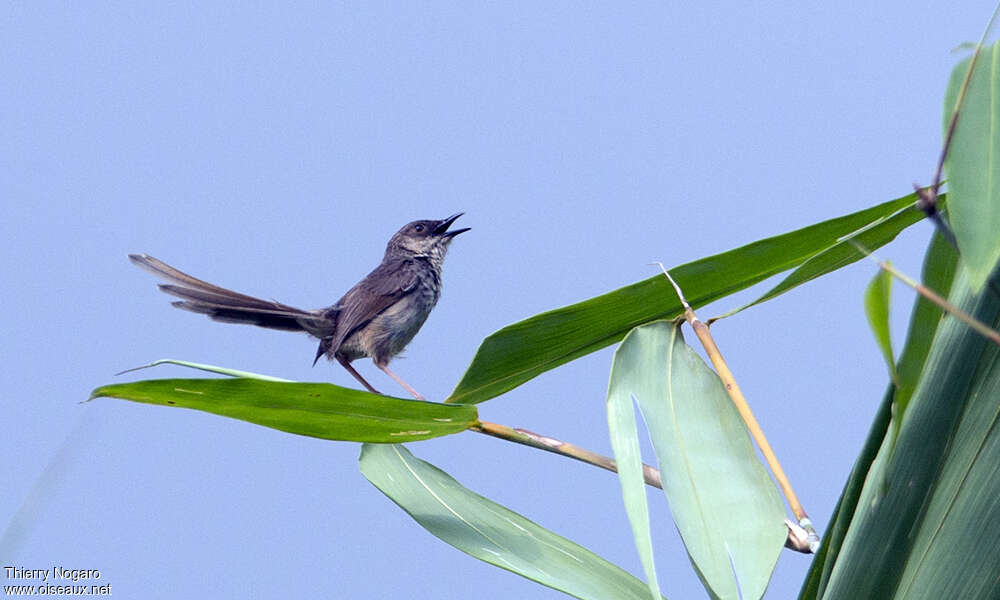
x: 443, y: 225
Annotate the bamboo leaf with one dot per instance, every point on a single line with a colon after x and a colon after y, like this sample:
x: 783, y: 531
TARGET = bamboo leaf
x: 877, y: 296
x: 524, y: 350
x: 974, y: 164
x: 844, y: 251
x: 202, y: 367
x: 490, y: 532
x: 826, y: 558
x: 628, y: 457
x: 927, y: 496
x: 938, y: 271
x: 727, y: 509
x: 320, y: 410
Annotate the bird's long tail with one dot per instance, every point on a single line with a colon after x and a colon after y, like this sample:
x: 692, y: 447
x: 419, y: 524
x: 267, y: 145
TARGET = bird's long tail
x: 232, y: 307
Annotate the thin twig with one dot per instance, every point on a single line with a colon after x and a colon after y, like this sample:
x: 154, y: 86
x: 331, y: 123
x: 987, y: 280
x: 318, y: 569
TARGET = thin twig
x: 796, y: 539
x: 974, y: 323
x: 549, y: 444
x: 733, y: 389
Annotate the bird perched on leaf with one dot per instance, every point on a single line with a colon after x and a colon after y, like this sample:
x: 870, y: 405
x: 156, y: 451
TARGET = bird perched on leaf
x: 376, y: 318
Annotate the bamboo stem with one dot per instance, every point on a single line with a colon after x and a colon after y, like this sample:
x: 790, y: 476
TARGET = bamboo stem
x: 799, y: 538
x: 549, y: 444
x: 733, y: 389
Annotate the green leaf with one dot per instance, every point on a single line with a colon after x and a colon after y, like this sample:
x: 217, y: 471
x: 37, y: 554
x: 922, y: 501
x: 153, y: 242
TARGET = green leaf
x: 845, y: 252
x: 625, y: 442
x: 320, y: 410
x: 524, y: 350
x: 727, y: 509
x: 938, y: 271
x: 877, y: 296
x: 974, y: 164
x: 833, y: 539
x: 927, y: 523
x: 490, y: 532
x: 964, y: 506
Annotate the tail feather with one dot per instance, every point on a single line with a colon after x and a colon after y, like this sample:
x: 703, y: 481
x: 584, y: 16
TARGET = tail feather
x: 229, y: 314
x: 165, y: 271
x: 228, y: 306
x: 210, y: 297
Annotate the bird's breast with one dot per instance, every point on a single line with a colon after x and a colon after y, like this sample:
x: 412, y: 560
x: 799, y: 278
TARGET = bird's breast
x: 391, y: 330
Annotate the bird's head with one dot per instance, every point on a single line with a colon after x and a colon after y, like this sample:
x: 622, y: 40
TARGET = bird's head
x: 429, y: 239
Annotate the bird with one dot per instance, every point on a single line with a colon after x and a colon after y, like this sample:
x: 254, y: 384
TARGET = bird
x: 376, y: 318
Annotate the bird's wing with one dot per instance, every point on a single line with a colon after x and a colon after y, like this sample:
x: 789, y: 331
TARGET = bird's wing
x: 383, y: 287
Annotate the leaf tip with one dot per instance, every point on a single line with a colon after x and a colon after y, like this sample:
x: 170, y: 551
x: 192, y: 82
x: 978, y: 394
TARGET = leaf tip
x: 96, y: 393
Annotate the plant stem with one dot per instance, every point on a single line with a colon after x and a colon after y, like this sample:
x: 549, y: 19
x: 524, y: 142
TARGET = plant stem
x: 740, y: 401
x: 798, y: 539
x: 978, y: 326
x: 542, y: 442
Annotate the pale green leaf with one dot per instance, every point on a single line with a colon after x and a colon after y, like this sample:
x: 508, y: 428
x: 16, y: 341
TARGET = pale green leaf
x: 727, y: 509
x: 209, y: 368
x: 625, y: 442
x: 974, y: 164
x: 490, y: 532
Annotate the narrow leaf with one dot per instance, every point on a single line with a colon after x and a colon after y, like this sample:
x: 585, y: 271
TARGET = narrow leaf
x: 845, y: 252
x: 320, y: 410
x: 927, y: 523
x: 209, y: 368
x: 877, y: 296
x: 524, y: 350
x: 625, y: 442
x: 833, y: 539
x: 727, y: 509
x: 490, y: 532
x: 974, y: 164
x: 964, y: 506
x: 938, y: 271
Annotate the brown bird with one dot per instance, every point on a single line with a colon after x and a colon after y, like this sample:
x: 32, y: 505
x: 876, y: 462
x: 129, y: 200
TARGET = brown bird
x: 377, y: 317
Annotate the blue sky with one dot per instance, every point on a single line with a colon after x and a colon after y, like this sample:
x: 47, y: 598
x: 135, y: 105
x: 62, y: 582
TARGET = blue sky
x: 274, y: 149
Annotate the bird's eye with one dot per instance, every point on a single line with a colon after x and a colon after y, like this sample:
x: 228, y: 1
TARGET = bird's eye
x: 418, y: 228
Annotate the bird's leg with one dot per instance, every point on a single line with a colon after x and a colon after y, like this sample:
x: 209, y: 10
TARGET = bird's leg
x: 400, y: 381
x: 347, y: 365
